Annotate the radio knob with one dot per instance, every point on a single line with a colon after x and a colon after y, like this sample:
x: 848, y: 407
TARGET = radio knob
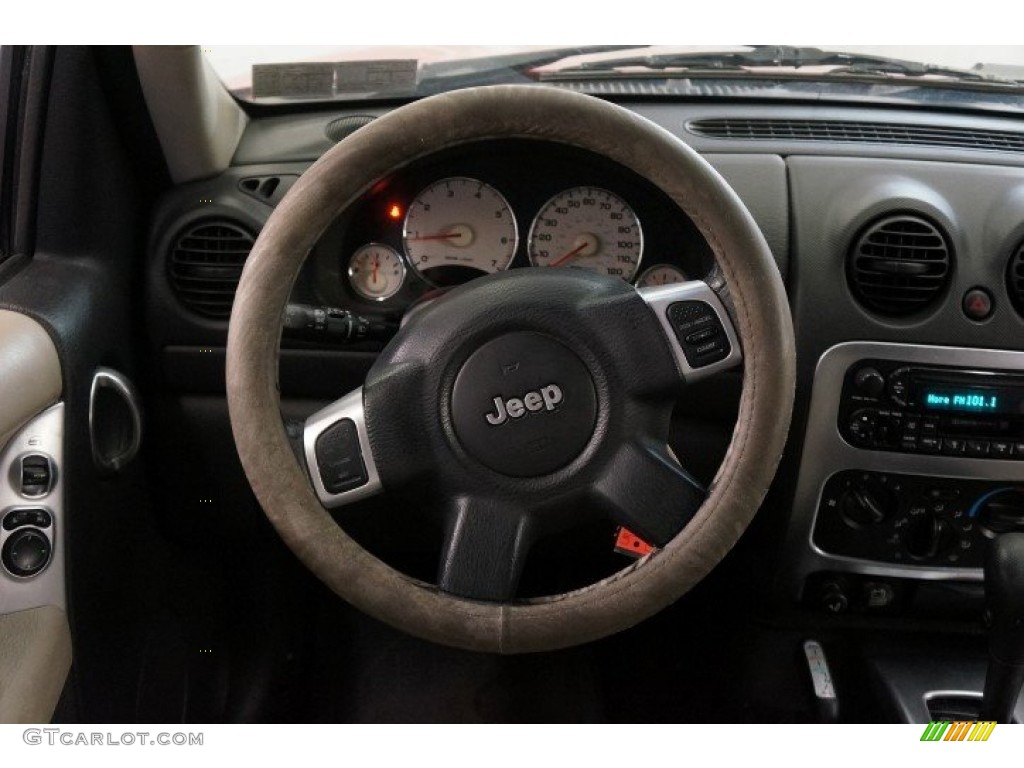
x: 862, y: 426
x: 927, y: 537
x: 866, y: 502
x: 869, y: 381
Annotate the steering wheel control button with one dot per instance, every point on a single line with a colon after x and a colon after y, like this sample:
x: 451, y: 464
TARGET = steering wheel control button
x: 524, y: 405
x: 339, y: 458
x: 26, y: 552
x: 699, y: 332
x: 36, y: 476
x: 978, y: 304
x: 19, y: 518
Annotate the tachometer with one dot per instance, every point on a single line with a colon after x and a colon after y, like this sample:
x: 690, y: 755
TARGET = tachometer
x: 458, y: 228
x: 587, y: 228
x: 376, y: 271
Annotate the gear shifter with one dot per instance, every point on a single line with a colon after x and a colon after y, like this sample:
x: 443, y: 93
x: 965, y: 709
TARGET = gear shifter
x: 1004, y: 588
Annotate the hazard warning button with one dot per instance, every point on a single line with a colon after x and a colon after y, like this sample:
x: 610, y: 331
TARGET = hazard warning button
x: 977, y: 304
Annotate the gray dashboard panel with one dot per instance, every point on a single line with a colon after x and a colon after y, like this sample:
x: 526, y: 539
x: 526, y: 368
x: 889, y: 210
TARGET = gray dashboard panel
x: 982, y: 208
x: 288, y: 138
x: 832, y: 198
x: 760, y: 181
x: 676, y: 117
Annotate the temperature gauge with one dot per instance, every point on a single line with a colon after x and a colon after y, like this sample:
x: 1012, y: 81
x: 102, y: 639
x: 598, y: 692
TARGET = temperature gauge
x: 661, y: 274
x: 376, y: 271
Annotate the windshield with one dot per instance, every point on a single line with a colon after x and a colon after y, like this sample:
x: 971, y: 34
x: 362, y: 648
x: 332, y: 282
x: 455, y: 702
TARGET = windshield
x: 978, y: 76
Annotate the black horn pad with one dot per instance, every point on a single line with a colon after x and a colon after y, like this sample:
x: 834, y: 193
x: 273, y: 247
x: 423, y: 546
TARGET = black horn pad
x: 524, y: 404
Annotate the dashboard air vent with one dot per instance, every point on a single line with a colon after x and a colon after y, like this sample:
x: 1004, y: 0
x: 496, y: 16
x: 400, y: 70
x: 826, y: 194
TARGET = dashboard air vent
x: 206, y: 263
x: 899, y: 264
x: 1015, y: 279
x: 859, y: 132
x: 336, y: 130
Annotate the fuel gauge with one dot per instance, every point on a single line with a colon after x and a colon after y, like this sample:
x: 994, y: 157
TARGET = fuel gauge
x: 376, y: 271
x: 661, y: 274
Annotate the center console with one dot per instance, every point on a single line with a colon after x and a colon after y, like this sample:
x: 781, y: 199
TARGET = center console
x: 913, y: 460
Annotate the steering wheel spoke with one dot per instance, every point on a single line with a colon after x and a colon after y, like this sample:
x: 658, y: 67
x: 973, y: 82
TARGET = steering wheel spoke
x: 696, y: 326
x: 337, y: 452
x: 646, y: 490
x: 485, y: 546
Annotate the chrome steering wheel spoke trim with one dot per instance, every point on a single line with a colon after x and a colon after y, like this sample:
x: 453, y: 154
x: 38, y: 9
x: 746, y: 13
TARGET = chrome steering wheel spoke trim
x: 338, y: 455
x: 697, y: 327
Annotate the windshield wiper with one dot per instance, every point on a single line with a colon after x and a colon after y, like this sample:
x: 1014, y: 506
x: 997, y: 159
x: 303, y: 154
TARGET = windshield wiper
x: 762, y: 57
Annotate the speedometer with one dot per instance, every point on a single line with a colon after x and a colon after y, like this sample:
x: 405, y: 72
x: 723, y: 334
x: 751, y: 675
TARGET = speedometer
x: 458, y: 228
x: 587, y: 228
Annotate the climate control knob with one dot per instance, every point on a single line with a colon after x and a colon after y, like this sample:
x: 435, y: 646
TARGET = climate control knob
x: 1001, y: 511
x: 866, y: 502
x: 927, y: 537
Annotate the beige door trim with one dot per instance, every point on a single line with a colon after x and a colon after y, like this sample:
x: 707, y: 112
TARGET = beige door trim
x: 30, y: 378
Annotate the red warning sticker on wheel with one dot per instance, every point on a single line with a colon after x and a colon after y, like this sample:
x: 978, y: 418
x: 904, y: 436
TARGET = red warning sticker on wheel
x: 629, y: 544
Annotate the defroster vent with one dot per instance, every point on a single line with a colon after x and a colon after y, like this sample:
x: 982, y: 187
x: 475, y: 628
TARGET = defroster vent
x: 899, y: 265
x: 206, y: 263
x: 859, y: 132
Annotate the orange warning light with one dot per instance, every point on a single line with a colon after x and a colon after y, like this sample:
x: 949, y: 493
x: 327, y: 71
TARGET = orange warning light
x: 395, y: 211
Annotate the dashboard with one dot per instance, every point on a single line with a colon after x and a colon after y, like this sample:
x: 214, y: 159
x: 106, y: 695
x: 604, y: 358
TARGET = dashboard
x: 903, y: 254
x: 493, y: 206
x: 898, y: 232
x: 843, y: 217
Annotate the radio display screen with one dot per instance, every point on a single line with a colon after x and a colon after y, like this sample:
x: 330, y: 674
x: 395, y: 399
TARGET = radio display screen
x: 967, y: 399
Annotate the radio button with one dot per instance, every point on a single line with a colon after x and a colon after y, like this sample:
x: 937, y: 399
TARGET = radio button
x: 979, y: 447
x: 898, y: 389
x: 929, y: 444
x: 952, y: 446
x: 1002, y: 450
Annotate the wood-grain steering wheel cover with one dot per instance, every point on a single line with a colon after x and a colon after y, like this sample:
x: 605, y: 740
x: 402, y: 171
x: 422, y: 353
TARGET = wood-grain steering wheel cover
x: 421, y: 129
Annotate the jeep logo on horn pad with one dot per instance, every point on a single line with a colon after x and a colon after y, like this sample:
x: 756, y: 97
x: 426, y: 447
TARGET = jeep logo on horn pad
x: 546, y: 399
x: 523, y: 404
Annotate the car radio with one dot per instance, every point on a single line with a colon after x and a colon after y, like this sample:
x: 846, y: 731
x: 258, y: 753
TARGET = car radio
x: 891, y: 406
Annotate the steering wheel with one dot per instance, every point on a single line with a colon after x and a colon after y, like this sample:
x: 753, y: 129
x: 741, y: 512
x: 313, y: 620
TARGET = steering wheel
x: 521, y: 401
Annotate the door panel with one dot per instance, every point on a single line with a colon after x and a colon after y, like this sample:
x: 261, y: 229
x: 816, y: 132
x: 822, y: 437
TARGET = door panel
x: 35, y: 640
x: 35, y: 656
x: 79, y: 280
x: 29, y: 371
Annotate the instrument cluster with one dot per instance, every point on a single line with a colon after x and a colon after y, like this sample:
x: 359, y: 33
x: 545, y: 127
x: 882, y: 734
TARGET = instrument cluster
x: 493, y: 206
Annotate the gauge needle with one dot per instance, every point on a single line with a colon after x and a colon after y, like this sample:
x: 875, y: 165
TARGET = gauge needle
x: 574, y: 252
x: 440, y: 236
